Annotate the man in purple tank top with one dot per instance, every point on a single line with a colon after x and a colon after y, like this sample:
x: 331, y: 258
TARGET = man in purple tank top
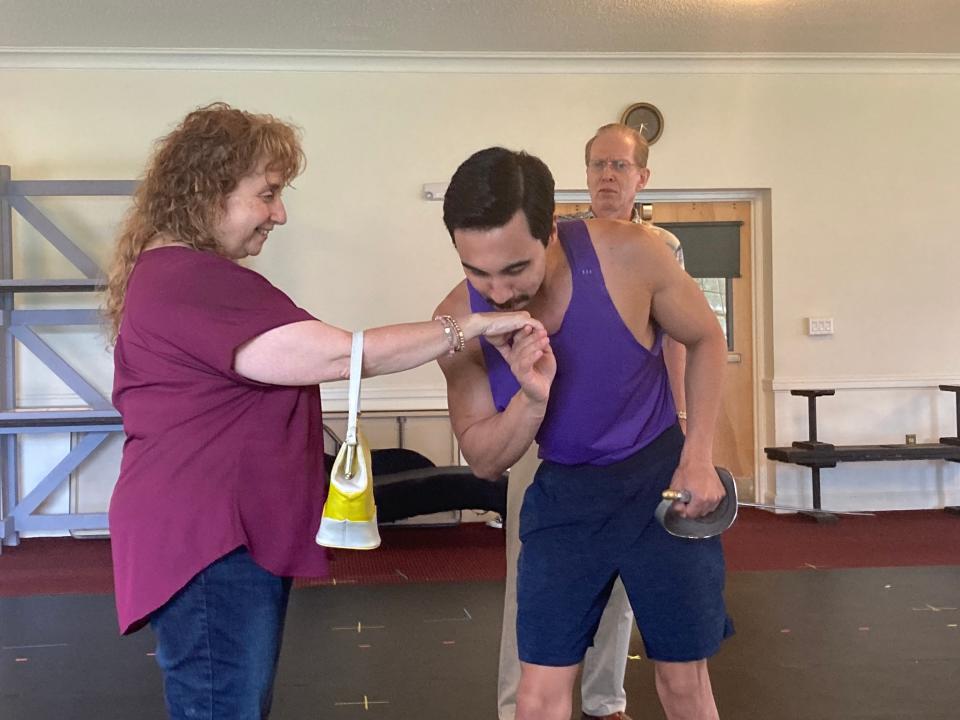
x: 615, y: 158
x: 592, y: 389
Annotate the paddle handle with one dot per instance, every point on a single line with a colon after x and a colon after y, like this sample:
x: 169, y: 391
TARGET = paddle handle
x: 681, y: 495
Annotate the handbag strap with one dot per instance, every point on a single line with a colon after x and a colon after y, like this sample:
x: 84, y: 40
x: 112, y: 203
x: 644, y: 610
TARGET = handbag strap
x: 353, y: 398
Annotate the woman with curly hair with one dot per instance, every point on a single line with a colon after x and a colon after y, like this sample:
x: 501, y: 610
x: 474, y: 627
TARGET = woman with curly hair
x: 221, y: 484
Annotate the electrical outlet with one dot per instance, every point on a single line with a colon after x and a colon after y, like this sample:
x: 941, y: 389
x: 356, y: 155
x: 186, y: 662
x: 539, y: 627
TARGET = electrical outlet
x: 819, y: 326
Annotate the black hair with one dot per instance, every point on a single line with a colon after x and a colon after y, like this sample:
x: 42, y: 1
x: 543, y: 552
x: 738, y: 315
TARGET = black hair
x: 490, y: 187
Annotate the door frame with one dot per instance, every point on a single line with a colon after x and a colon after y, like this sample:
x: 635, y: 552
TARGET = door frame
x: 761, y: 302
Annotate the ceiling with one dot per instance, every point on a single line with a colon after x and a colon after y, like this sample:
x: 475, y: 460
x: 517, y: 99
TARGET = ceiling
x: 489, y: 26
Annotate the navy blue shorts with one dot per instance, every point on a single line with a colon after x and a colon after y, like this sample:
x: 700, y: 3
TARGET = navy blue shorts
x: 582, y: 526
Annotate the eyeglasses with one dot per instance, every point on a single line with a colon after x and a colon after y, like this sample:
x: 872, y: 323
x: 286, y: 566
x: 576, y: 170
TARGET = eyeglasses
x: 618, y: 166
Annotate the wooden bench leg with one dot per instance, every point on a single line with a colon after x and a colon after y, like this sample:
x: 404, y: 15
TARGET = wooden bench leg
x: 822, y: 518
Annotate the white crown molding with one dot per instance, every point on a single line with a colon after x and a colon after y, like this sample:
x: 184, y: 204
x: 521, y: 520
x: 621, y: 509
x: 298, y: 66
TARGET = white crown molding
x: 474, y: 62
x: 889, y: 382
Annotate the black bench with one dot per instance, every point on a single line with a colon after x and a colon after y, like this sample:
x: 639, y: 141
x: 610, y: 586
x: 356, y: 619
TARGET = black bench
x: 814, y: 454
x: 406, y: 484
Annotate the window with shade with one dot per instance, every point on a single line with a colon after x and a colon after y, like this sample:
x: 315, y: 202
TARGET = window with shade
x: 711, y: 253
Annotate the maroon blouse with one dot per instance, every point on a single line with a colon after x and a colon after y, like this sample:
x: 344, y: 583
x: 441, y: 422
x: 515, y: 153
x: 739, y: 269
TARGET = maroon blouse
x: 212, y: 460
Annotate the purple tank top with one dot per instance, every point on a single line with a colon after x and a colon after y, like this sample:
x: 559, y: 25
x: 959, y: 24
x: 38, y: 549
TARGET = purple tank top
x: 611, y: 395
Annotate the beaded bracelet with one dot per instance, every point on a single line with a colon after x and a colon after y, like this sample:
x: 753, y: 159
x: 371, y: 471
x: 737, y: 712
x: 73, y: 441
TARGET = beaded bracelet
x: 453, y: 333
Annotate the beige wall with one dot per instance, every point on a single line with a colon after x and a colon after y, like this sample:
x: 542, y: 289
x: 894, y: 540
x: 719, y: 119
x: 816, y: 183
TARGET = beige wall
x: 861, y: 169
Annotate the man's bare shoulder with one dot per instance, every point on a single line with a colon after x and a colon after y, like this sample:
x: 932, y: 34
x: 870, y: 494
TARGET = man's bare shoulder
x: 457, y: 301
x: 627, y: 240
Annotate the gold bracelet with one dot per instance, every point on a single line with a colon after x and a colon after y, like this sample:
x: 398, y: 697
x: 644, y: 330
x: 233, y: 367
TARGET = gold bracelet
x: 681, y: 414
x: 447, y: 332
x: 452, y: 332
x: 461, y: 341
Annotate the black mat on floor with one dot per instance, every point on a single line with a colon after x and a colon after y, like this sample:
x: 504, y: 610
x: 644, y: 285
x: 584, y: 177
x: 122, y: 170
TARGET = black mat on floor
x: 879, y: 643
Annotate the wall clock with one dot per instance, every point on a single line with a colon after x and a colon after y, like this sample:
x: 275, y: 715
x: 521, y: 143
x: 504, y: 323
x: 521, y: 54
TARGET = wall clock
x: 645, y: 119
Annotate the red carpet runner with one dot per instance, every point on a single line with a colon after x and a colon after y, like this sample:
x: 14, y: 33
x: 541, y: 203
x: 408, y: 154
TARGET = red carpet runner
x: 472, y: 551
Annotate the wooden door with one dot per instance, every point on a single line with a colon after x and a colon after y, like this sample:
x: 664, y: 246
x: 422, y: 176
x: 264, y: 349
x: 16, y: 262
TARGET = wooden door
x: 734, y: 445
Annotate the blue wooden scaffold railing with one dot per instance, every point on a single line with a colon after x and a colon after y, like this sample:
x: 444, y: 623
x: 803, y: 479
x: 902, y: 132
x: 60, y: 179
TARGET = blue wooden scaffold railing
x: 89, y: 426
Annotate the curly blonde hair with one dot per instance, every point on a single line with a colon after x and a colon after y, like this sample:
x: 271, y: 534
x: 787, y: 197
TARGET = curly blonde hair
x: 188, y: 178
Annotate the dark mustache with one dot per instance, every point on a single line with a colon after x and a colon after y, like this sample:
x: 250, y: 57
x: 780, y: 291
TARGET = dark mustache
x: 509, y: 305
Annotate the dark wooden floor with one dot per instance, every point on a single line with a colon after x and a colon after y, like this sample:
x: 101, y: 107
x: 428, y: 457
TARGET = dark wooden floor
x: 816, y: 644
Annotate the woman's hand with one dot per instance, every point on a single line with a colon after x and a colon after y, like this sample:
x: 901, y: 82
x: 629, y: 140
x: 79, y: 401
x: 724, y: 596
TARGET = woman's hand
x: 531, y: 360
x: 497, y: 327
x: 524, y: 344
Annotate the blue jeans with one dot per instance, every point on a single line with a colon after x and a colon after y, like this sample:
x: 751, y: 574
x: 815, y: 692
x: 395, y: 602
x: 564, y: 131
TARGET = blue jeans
x: 218, y: 641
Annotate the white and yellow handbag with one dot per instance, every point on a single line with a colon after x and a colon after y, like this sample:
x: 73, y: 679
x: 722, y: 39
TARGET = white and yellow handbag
x: 349, y: 519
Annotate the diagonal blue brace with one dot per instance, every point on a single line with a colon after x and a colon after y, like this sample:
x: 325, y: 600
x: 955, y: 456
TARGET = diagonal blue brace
x: 31, y: 213
x: 60, y: 367
x: 54, y: 478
